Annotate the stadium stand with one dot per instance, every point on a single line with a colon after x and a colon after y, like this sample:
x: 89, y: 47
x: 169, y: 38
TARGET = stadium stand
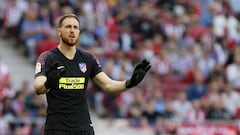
x: 193, y: 46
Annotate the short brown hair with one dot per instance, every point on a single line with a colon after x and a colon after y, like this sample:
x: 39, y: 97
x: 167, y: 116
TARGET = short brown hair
x: 63, y: 17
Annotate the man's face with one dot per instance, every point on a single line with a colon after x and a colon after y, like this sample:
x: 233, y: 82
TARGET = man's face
x: 69, y: 31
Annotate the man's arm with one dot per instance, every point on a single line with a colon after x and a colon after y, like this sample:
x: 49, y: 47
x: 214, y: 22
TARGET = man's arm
x: 114, y: 86
x: 39, y: 87
x: 109, y: 85
x: 43, y: 83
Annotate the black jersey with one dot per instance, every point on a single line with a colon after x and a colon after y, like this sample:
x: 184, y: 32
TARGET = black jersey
x: 67, y: 104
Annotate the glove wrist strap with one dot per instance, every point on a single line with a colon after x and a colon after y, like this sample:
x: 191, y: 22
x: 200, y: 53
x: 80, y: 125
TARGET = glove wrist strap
x: 128, y: 84
x: 46, y: 85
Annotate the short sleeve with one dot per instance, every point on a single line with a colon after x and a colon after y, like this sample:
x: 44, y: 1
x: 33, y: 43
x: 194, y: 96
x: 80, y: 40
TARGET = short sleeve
x: 41, y: 65
x: 96, y: 66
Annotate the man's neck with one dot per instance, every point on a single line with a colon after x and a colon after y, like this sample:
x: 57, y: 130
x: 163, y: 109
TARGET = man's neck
x: 67, y: 51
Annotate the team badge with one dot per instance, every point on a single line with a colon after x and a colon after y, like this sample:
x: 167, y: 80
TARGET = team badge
x: 83, y: 67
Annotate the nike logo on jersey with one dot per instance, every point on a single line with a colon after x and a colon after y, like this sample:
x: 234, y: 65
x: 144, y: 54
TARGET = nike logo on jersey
x: 60, y: 67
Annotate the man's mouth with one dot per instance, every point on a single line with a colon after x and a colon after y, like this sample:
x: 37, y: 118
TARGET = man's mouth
x: 72, y: 36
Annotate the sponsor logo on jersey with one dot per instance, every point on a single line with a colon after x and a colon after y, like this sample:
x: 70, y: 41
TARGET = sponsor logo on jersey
x: 83, y: 67
x: 72, y: 83
x: 38, y: 68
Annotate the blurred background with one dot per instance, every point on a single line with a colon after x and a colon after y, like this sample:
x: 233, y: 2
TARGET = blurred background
x: 193, y: 46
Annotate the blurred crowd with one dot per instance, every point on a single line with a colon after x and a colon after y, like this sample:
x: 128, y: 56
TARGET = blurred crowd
x: 193, y: 46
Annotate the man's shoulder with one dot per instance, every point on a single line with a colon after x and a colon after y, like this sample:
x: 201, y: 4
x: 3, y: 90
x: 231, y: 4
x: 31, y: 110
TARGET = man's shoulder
x: 47, y: 52
x: 84, y: 52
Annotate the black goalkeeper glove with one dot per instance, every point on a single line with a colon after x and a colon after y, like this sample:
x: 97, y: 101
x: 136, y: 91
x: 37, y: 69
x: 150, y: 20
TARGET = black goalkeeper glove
x: 138, y: 74
x: 54, y: 73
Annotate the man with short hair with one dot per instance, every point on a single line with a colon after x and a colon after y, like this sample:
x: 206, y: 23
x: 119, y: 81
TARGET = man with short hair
x: 62, y: 73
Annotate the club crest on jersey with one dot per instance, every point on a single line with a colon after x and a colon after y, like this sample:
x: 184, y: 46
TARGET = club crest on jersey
x: 83, y: 67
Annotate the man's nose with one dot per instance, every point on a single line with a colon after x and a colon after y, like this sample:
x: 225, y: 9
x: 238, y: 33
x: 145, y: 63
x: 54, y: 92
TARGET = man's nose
x: 72, y: 29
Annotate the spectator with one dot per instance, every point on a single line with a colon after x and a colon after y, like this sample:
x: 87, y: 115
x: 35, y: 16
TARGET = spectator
x: 187, y: 40
x: 50, y: 41
x: 125, y: 101
x: 182, y: 62
x: 13, y: 13
x: 237, y: 36
x: 172, y: 54
x: 219, y: 54
x: 5, y: 80
x: 27, y: 93
x: 206, y: 64
x: 150, y: 114
x: 4, y: 125
x: 54, y: 11
x: 45, y: 19
x: 161, y: 64
x: 217, y: 111
x: 100, y: 30
x: 213, y: 93
x: 230, y: 99
x: 195, y: 114
x: 232, y: 72
x: 109, y: 45
x: 143, y: 23
x: 169, y: 113
x: 189, y: 77
x: 225, y: 24
x: 32, y: 30
x: 18, y: 103
x: 160, y: 101
x: 181, y: 105
x: 118, y: 68
x: 36, y: 104
x: 198, y: 88
x: 175, y: 29
x: 217, y: 72
x: 125, y: 39
x: 135, y: 119
x: 98, y: 101
x: 157, y: 43
x: 139, y: 98
x: 3, y: 4
x: 7, y: 110
x: 206, y: 13
x: 235, y: 8
x: 86, y: 39
x: 146, y: 51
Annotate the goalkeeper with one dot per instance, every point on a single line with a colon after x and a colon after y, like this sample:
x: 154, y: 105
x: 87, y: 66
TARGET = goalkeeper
x: 62, y: 73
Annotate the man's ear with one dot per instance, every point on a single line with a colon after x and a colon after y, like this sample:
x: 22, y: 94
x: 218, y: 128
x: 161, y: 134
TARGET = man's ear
x: 58, y: 32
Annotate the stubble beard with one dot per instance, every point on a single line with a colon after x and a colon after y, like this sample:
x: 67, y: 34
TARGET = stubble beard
x: 67, y: 42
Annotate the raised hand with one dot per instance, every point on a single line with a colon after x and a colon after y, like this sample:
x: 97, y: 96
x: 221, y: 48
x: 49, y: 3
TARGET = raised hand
x: 138, y: 74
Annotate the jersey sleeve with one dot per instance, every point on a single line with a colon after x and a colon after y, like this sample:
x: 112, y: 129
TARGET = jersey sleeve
x: 41, y: 66
x: 96, y: 67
